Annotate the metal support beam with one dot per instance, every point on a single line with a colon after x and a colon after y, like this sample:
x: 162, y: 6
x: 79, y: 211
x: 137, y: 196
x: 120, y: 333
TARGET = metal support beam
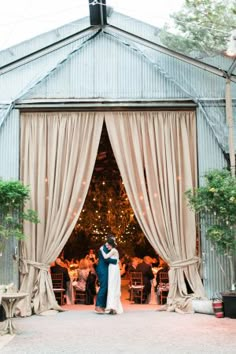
x: 230, y: 122
x: 231, y: 68
x: 46, y: 50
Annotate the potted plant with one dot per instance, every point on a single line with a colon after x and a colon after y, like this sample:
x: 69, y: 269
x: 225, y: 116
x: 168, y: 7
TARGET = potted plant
x: 215, y: 204
x: 13, y: 197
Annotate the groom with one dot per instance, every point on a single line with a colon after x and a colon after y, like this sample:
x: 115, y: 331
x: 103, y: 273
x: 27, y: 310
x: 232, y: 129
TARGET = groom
x: 102, y: 273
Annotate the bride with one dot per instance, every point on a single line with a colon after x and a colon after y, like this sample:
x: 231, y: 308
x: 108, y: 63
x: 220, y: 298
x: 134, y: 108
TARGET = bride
x: 114, y: 305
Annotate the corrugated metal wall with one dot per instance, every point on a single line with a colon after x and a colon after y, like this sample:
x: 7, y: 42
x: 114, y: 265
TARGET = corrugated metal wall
x: 215, y: 267
x: 9, y: 169
x: 117, y: 73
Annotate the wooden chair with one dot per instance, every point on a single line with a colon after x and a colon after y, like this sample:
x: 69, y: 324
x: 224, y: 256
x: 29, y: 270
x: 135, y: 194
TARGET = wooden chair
x: 163, y: 286
x: 57, y: 284
x: 136, y: 287
x: 80, y: 296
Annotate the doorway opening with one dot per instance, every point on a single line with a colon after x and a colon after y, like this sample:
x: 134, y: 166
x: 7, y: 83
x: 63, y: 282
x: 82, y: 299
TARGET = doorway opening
x: 106, y: 211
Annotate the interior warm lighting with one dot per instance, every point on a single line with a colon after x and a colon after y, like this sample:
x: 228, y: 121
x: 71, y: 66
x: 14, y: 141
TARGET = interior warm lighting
x: 231, y: 50
x: 107, y: 204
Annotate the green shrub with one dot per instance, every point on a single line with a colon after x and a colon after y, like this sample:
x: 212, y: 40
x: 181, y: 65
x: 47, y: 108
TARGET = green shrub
x: 13, y: 198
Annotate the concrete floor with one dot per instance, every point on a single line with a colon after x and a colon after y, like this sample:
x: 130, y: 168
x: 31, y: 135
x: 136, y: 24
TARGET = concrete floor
x: 140, y: 329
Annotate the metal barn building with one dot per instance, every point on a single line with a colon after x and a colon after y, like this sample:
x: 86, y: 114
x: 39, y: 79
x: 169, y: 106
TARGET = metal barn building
x: 119, y: 67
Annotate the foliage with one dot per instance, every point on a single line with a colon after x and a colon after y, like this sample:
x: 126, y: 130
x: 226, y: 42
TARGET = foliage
x: 13, y: 197
x: 217, y: 199
x: 202, y: 26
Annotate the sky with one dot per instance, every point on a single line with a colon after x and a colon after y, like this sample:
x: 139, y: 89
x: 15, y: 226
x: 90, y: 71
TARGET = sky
x: 24, y: 19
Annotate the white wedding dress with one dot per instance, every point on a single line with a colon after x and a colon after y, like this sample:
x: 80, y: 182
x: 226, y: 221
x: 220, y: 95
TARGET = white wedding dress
x: 114, y: 282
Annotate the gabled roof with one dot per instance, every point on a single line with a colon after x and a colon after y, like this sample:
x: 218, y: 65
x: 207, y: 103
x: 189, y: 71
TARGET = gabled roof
x: 122, y: 25
x: 185, y: 77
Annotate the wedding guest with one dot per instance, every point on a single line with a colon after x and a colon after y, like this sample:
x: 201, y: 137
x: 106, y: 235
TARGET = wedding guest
x: 133, y: 265
x: 91, y: 256
x: 58, y: 267
x: 82, y: 275
x: 146, y: 268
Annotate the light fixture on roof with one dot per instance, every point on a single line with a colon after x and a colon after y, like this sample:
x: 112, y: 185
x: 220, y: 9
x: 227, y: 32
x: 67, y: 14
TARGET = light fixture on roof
x: 98, y: 12
x: 231, y: 50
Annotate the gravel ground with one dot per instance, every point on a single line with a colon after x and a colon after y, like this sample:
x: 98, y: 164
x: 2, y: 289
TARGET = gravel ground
x: 140, y: 329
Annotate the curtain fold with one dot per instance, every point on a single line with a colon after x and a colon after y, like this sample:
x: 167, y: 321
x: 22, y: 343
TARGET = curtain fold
x: 156, y: 155
x: 58, y: 153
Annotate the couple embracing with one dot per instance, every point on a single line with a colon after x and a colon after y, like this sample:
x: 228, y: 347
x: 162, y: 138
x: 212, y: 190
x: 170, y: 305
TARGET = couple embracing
x: 108, y: 272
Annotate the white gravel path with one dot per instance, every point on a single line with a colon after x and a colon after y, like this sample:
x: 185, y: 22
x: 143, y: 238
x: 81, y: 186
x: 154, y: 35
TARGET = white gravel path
x: 141, y: 329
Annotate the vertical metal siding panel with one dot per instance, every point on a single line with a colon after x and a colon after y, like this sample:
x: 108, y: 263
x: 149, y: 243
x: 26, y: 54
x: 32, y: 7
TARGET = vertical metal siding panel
x: 106, y: 68
x: 81, y: 74
x: 9, y: 169
x: 60, y: 82
x: 199, y: 83
x: 16, y: 81
x: 210, y: 156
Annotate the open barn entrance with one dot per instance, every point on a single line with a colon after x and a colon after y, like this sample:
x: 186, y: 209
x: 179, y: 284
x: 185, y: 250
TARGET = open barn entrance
x: 156, y: 155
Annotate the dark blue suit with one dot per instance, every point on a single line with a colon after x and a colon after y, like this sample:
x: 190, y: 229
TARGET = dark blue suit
x: 102, y: 273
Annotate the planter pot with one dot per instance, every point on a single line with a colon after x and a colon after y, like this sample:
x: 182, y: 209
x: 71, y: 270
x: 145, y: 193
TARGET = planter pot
x: 229, y: 300
x: 203, y: 306
x: 218, y: 308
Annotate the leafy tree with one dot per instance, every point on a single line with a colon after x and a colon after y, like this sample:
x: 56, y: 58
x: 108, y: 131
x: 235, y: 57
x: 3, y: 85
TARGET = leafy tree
x: 202, y: 26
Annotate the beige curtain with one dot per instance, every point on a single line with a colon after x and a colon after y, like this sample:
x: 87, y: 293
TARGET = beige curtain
x: 58, y: 153
x: 156, y: 155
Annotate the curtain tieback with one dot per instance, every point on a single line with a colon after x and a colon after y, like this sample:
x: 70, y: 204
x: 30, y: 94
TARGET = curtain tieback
x: 25, y: 262
x: 184, y: 263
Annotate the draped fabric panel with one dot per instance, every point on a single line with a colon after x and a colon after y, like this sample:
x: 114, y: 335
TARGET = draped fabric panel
x: 58, y: 153
x: 156, y: 155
